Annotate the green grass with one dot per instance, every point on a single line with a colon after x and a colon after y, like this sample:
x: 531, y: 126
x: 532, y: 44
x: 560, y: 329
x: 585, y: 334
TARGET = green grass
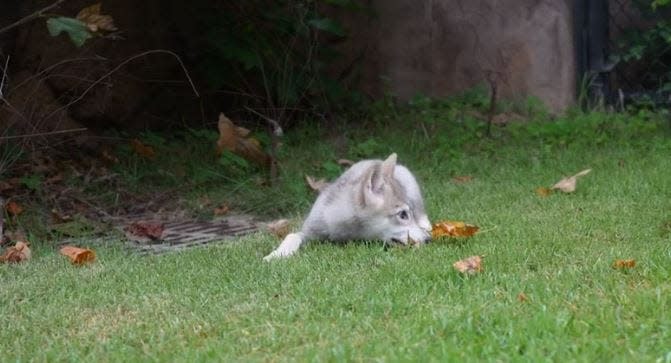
x: 359, y: 302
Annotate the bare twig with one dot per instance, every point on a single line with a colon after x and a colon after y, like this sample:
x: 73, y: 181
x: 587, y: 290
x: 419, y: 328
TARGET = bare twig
x: 25, y: 136
x: 4, y: 76
x: 143, y: 54
x: 277, y: 129
x: 37, y: 14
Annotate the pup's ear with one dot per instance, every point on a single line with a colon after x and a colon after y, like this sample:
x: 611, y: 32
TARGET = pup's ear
x: 374, y: 187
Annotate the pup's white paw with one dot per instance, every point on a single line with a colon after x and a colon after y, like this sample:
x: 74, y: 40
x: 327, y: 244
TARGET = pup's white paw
x: 288, y: 247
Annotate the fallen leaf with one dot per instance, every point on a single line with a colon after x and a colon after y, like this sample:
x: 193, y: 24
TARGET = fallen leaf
x: 142, y: 149
x: 316, y: 184
x: 453, y: 229
x: 108, y: 157
x: 469, y: 266
x: 220, y: 211
x: 94, y: 21
x: 236, y: 139
x: 143, y: 230
x: 345, y: 162
x: 543, y: 192
x: 13, y: 208
x: 567, y: 185
x: 58, y: 217
x: 279, y: 228
x: 18, y: 253
x: 77, y: 255
x: 522, y: 297
x: 624, y: 264
x: 461, y: 179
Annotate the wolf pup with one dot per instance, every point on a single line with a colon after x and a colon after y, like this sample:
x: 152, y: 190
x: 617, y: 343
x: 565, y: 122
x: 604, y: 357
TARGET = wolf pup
x: 372, y: 200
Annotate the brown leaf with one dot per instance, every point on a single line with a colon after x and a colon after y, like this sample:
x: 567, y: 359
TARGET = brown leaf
x: 469, y: 266
x: 316, y: 184
x: 58, y: 217
x: 77, y: 255
x: 237, y: 140
x: 91, y: 16
x: 543, y: 192
x: 13, y: 208
x: 279, y: 228
x: 453, y: 229
x: 567, y: 185
x: 145, y: 229
x: 108, y: 157
x: 461, y: 179
x: 142, y: 149
x: 624, y: 264
x: 522, y: 297
x: 221, y: 210
x: 18, y: 253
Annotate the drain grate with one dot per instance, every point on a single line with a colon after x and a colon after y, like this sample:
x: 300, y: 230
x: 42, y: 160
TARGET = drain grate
x: 181, y: 235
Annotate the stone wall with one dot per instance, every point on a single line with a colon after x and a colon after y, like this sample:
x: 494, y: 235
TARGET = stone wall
x: 442, y: 47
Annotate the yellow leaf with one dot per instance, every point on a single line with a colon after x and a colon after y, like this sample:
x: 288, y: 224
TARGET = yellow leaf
x: 453, y: 229
x: 95, y: 21
x: 236, y: 139
x: 78, y: 256
x: 624, y: 264
x: 142, y: 149
x: 18, y: 253
x: 469, y: 266
x: 543, y: 191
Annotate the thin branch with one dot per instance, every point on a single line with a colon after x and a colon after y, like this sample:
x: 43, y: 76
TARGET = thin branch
x: 143, y: 54
x: 277, y: 129
x: 4, y: 76
x: 25, y: 136
x: 32, y: 16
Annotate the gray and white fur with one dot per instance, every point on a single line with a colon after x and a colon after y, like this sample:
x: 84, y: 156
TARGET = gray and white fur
x: 372, y: 200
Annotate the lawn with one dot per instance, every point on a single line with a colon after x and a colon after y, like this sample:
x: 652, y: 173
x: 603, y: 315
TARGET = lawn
x: 547, y: 292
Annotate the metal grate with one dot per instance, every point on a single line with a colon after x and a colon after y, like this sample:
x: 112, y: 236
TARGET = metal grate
x: 182, y: 235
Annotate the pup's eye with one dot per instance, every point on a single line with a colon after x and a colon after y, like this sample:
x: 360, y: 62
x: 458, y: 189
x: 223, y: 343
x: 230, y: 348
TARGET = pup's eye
x: 403, y: 215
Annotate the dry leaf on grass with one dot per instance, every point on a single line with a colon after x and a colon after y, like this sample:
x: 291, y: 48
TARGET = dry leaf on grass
x: 567, y: 185
x: 316, y: 184
x: 624, y: 264
x: 142, y: 149
x: 221, y: 210
x: 543, y: 192
x: 469, y: 266
x: 91, y: 16
x: 78, y: 256
x: 279, y: 228
x: 18, y: 253
x: 13, y: 208
x: 522, y: 297
x: 461, y: 179
x: 237, y: 140
x: 143, y: 231
x: 453, y: 229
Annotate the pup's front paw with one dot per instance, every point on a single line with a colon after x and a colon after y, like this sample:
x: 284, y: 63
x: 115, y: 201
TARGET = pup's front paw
x: 287, y: 248
x: 277, y: 254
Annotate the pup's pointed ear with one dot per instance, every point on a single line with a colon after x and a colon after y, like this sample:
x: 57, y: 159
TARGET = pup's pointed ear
x: 388, y: 166
x: 374, y: 187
